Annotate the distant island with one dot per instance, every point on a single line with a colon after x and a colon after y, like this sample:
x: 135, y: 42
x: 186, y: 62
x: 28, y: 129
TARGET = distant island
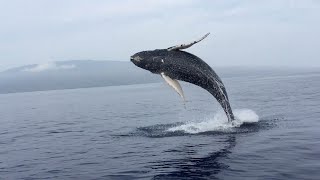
x: 72, y: 74
x: 89, y: 73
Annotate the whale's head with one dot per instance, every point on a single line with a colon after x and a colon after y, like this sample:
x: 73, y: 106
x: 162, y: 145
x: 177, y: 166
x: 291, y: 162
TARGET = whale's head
x: 150, y: 60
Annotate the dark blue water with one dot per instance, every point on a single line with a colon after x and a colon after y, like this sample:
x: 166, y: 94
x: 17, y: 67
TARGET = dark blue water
x: 145, y: 132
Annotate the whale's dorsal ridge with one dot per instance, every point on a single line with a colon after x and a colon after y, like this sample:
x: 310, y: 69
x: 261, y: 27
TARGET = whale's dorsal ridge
x: 174, y: 84
x: 185, y: 46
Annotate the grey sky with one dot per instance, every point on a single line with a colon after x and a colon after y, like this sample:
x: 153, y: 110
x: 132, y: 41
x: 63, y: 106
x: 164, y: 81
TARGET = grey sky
x: 243, y: 33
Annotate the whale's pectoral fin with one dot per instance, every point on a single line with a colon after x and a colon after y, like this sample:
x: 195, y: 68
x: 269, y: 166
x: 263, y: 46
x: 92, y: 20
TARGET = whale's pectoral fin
x: 174, y: 84
x: 185, y: 46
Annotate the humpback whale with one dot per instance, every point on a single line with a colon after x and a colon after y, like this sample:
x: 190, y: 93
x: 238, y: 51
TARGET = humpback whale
x: 174, y: 64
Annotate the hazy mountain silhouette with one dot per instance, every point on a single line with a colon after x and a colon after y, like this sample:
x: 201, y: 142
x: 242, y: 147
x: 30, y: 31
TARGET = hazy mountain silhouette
x: 72, y: 74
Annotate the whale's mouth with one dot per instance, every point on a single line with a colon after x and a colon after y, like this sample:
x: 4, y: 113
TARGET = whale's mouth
x: 132, y: 59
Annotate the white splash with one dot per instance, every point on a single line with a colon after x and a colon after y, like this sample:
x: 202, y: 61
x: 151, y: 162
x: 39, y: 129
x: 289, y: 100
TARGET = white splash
x: 219, y: 122
x: 48, y: 66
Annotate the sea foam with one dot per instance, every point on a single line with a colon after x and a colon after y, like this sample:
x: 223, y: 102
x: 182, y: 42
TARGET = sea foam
x: 218, y: 122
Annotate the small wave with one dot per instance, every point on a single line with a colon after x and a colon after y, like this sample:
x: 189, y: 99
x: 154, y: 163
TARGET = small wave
x: 219, y: 122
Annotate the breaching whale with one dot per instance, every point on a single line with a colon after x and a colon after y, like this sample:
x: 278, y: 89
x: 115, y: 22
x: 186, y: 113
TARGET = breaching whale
x: 173, y: 64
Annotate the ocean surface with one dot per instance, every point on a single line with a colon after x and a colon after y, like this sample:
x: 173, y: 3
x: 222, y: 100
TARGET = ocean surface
x: 146, y: 131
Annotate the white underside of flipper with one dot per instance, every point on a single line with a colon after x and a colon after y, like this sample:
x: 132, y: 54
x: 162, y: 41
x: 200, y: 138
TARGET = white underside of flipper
x: 174, y: 84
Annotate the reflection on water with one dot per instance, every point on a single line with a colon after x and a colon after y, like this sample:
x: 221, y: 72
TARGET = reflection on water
x: 196, y: 168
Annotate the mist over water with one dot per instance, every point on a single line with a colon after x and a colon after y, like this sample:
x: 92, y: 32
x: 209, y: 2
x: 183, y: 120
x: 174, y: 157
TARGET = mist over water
x: 145, y: 132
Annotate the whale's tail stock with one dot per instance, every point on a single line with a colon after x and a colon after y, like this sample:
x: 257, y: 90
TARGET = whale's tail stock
x: 229, y: 113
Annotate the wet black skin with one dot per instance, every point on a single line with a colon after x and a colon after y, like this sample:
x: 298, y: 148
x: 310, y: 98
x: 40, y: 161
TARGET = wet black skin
x: 186, y: 67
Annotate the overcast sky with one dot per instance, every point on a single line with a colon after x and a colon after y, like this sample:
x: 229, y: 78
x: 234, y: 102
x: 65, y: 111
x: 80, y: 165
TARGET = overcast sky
x: 243, y: 33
